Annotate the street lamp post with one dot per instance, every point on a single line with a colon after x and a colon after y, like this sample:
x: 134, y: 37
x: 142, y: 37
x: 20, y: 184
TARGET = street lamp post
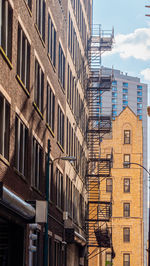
x: 64, y: 158
x: 148, y: 250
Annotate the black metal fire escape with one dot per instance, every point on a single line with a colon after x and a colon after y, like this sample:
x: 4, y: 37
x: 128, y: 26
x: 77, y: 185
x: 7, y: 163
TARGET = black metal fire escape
x: 99, y: 124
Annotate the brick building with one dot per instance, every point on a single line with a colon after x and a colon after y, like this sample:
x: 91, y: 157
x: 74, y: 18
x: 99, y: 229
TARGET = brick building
x: 42, y: 84
x: 125, y: 184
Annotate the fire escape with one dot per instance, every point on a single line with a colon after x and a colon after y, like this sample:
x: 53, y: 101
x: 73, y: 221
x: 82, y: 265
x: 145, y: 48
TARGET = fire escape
x: 99, y: 124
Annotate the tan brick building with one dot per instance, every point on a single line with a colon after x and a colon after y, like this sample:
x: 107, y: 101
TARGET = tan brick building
x: 126, y: 185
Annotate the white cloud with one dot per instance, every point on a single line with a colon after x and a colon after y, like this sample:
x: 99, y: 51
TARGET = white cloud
x: 136, y: 44
x: 146, y: 74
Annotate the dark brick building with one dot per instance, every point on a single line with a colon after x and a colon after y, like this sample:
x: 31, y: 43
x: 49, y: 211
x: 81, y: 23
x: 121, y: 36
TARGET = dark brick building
x: 43, y: 69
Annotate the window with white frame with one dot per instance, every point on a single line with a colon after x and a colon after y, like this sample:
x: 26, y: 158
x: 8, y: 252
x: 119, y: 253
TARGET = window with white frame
x: 6, y: 15
x: 37, y: 162
x: 51, y: 40
x: 60, y: 127
x: 40, y: 17
x: 23, y: 58
x: 5, y: 127
x: 50, y: 114
x: 21, y: 145
x: 61, y: 67
x: 59, y: 189
x: 39, y: 86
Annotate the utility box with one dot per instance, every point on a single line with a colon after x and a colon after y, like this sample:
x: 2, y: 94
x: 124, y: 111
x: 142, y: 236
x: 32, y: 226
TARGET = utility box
x: 41, y: 211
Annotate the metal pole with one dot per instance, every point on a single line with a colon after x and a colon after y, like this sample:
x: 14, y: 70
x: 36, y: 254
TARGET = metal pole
x: 47, y: 199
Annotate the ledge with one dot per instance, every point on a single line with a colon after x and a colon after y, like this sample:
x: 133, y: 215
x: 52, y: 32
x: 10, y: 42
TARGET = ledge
x: 51, y: 131
x: 62, y: 149
x: 22, y: 85
x: 38, y: 110
x: 4, y: 160
x: 6, y: 58
x: 54, y: 68
x: 19, y: 174
x: 28, y: 8
x: 39, y: 34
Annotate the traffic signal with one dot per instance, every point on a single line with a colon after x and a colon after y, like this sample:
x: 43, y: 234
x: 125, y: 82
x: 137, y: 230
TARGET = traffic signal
x: 32, y: 237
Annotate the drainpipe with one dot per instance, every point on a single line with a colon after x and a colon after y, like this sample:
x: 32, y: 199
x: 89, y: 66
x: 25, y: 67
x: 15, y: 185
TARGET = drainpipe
x: 47, y: 200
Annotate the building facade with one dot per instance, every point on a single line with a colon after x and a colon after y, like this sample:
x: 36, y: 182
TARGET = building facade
x: 125, y: 185
x: 129, y: 91
x: 42, y: 96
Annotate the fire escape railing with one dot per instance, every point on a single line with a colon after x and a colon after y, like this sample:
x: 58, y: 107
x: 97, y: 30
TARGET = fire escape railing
x: 99, y: 124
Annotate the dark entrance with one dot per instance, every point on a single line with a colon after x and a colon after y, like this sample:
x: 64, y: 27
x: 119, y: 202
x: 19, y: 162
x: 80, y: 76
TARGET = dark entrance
x: 11, y: 244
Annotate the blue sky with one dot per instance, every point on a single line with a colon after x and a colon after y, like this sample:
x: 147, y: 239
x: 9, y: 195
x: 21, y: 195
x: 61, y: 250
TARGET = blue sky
x: 131, y: 51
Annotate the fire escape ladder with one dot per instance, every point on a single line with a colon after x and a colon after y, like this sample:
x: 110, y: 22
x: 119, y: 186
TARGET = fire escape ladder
x: 99, y: 124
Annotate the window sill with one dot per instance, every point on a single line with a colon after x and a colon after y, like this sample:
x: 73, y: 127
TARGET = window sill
x: 22, y: 85
x: 19, y: 174
x: 4, y: 160
x: 54, y: 68
x: 6, y: 58
x: 37, y: 190
x: 39, y: 35
x: 59, y: 209
x: 62, y: 149
x: 38, y: 110
x: 28, y: 8
x: 63, y: 90
x: 50, y: 130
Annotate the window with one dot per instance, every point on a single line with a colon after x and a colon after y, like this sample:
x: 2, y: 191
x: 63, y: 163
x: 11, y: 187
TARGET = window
x: 61, y: 67
x: 51, y: 41
x: 125, y: 96
x: 139, y: 111
x: 58, y: 254
x: 60, y: 127
x: 114, y: 82
x: 139, y: 87
x: 114, y: 88
x: 126, y: 234
x: 114, y: 94
x: 109, y: 185
x: 29, y: 3
x: 140, y: 117
x: 114, y: 100
x: 114, y: 113
x: 139, y: 105
x: 125, y: 84
x: 40, y: 17
x: 108, y: 259
x: 39, y: 86
x: 114, y: 106
x: 21, y: 146
x: 126, y: 259
x: 68, y: 195
x: 126, y: 160
x: 126, y: 136
x: 126, y: 185
x: 125, y: 90
x: 5, y: 127
x: 50, y: 114
x: 23, y: 58
x: 126, y: 209
x: 139, y: 93
x: 6, y: 27
x: 139, y: 100
x: 125, y: 102
x: 36, y: 164
x: 59, y: 189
